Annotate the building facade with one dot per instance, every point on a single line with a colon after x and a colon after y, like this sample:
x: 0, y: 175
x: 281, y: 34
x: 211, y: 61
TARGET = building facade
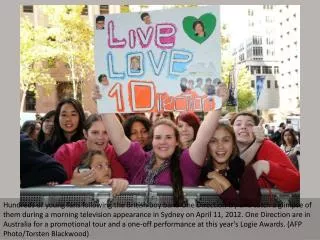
x: 288, y: 49
x: 258, y: 54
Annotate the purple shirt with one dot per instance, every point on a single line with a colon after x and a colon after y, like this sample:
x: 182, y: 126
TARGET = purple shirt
x: 135, y: 159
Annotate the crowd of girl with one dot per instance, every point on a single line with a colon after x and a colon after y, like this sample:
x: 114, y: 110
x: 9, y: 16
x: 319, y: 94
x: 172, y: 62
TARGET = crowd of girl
x: 233, y: 158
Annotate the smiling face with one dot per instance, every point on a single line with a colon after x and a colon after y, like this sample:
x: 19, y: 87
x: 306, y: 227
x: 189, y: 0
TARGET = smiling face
x: 221, y: 147
x: 97, y: 137
x: 102, y: 168
x: 243, y: 128
x: 164, y: 141
x: 199, y: 29
x: 139, y: 133
x: 68, y: 118
x: 186, y: 132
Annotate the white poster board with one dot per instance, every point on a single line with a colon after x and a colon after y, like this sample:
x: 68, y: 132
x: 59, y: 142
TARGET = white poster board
x: 166, y: 60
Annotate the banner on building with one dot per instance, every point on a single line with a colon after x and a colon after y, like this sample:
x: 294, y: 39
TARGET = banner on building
x: 259, y: 86
x: 166, y: 60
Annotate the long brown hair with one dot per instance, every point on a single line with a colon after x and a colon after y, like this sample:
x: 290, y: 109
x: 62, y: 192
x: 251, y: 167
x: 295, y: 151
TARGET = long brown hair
x: 229, y: 129
x: 176, y: 175
x: 235, y: 164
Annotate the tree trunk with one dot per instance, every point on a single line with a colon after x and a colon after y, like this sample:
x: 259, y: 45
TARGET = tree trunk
x: 23, y: 100
x: 73, y: 78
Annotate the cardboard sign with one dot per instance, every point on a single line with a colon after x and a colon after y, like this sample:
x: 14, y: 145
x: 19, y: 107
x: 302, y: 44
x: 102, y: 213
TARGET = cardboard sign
x: 159, y: 60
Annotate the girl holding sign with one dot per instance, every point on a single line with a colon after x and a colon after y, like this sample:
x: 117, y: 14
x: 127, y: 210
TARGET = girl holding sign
x: 167, y: 164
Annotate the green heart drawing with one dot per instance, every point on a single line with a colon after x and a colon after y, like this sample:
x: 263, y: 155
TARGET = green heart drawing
x: 208, y: 21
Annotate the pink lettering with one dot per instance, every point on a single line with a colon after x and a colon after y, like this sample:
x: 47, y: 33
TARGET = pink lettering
x: 165, y: 35
x: 132, y: 39
x: 145, y: 39
x: 114, y: 42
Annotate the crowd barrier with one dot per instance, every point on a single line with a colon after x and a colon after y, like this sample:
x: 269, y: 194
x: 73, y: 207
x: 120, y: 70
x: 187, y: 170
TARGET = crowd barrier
x: 139, y: 195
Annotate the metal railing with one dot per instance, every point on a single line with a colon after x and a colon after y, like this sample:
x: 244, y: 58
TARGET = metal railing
x: 139, y: 196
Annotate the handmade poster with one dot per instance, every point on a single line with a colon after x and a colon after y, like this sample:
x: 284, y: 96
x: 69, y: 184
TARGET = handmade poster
x: 166, y: 60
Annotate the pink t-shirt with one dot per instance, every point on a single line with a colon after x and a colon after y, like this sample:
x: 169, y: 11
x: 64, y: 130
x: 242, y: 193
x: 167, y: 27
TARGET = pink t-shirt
x: 69, y: 156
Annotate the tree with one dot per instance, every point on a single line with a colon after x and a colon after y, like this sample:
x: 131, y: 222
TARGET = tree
x: 245, y: 94
x: 72, y: 38
x: 34, y: 50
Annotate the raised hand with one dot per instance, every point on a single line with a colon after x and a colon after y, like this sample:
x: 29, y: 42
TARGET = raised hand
x: 258, y: 132
x: 95, y: 94
x: 223, y: 92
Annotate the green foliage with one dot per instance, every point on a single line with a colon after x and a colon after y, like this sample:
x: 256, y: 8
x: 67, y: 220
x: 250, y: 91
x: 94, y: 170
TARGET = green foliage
x: 124, y: 9
x: 34, y: 50
x: 72, y: 38
x: 245, y: 93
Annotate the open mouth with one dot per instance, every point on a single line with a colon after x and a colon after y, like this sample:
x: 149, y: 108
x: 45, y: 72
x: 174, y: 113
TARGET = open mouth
x: 221, y: 154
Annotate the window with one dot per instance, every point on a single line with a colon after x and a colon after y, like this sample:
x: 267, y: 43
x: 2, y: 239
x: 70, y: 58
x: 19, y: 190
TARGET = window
x: 257, y: 51
x: 241, y: 57
x: 104, y: 9
x: 65, y: 90
x: 266, y: 69
x: 252, y: 84
x: 268, y: 83
x: 257, y: 40
x: 255, y: 70
x: 30, y: 101
x: 28, y: 8
x: 276, y: 84
x: 276, y: 69
x: 85, y: 10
